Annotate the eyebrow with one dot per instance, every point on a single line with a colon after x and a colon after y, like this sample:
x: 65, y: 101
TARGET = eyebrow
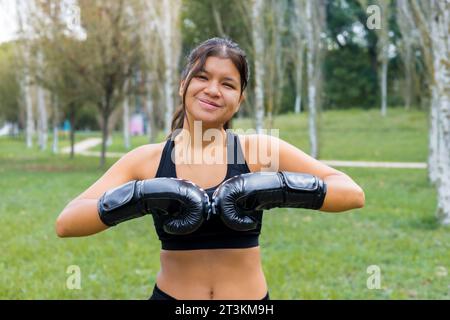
x: 225, y: 78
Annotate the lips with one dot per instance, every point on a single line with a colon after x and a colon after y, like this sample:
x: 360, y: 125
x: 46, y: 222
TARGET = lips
x: 210, y: 103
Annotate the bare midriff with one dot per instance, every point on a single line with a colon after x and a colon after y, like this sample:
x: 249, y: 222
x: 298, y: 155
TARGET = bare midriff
x: 219, y: 274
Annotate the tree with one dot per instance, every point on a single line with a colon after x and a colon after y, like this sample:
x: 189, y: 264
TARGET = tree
x: 100, y: 57
x: 276, y: 57
x: 166, y: 14
x: 258, y: 44
x: 23, y: 56
x: 432, y: 19
x: 382, y: 44
x: 407, y: 49
x: 297, y: 23
x: 315, y: 24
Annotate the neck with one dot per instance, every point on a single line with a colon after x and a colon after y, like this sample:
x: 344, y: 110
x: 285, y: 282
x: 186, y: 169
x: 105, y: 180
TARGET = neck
x: 198, y: 135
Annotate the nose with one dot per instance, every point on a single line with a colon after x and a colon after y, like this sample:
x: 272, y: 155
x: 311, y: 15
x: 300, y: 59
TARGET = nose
x: 212, y: 89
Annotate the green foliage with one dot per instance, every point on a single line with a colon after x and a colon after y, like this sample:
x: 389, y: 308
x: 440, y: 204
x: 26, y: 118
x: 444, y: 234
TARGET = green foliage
x: 9, y: 84
x: 350, y: 80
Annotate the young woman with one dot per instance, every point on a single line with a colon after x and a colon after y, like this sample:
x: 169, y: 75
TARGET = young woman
x: 208, y: 214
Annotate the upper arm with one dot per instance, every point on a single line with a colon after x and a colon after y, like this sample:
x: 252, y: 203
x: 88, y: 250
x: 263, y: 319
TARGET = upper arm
x: 128, y: 167
x: 275, y: 154
x: 293, y: 159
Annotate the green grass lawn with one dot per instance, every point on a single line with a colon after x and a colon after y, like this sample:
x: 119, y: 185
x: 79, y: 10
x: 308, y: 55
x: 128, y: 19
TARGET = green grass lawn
x: 306, y: 254
x: 349, y: 135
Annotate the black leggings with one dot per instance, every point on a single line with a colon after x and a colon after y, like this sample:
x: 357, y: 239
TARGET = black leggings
x: 158, y: 294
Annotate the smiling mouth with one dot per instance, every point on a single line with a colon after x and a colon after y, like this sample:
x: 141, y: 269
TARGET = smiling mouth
x: 209, y: 104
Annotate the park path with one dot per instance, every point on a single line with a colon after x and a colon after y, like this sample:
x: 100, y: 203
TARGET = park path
x: 82, y: 148
x: 84, y: 145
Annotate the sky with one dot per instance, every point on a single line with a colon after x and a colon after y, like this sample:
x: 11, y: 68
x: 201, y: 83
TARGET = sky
x: 8, y: 24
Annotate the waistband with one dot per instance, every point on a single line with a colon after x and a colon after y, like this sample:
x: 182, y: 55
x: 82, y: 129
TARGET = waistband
x: 158, y: 294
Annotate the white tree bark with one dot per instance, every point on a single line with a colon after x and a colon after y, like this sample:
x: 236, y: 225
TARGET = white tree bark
x: 150, y: 37
x: 298, y: 31
x: 432, y: 19
x: 43, y: 118
x: 167, y: 17
x: 23, y: 9
x: 258, y: 44
x: 42, y: 111
x: 169, y: 71
x: 433, y: 139
x: 29, y: 110
x: 55, y: 106
x: 280, y: 8
x: 440, y: 25
x: 313, y: 37
x: 420, y: 16
x: 383, y: 52
x: 406, y: 48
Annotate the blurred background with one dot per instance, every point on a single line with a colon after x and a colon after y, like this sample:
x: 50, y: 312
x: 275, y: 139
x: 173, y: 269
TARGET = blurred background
x: 362, y: 85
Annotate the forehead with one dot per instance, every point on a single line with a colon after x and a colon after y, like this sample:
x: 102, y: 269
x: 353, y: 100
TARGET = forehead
x: 222, y: 67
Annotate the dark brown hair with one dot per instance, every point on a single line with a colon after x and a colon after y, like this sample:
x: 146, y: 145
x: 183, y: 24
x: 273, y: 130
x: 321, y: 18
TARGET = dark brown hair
x: 214, y: 47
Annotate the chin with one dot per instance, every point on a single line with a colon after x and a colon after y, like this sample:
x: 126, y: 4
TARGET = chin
x: 206, y: 119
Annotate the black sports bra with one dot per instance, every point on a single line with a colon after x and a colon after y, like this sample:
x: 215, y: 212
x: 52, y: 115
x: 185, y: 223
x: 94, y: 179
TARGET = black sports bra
x: 212, y: 234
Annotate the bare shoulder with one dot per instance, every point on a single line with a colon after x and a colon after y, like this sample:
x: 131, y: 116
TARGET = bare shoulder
x: 137, y: 164
x: 145, y: 160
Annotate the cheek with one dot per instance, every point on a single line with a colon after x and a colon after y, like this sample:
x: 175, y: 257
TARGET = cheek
x: 193, y: 91
x: 232, y: 100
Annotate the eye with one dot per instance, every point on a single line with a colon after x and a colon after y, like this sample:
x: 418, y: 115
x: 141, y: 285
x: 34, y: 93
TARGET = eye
x: 229, y: 85
x: 201, y: 77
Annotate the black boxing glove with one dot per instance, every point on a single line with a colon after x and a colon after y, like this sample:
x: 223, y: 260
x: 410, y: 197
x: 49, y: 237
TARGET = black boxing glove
x: 181, y: 204
x: 236, y: 199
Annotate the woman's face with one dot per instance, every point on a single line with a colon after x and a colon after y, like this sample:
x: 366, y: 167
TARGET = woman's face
x: 214, y: 94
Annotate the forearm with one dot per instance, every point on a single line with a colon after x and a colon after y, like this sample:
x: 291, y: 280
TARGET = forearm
x: 79, y: 218
x: 342, y: 194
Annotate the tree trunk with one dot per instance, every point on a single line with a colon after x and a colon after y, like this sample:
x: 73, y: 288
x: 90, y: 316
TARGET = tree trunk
x: 310, y: 55
x: 43, y: 118
x: 408, y: 79
x: 440, y: 22
x: 443, y: 170
x: 171, y: 47
x: 105, y: 122
x: 29, y: 111
x: 258, y: 43
x: 72, y: 130
x: 383, y: 52
x: 126, y: 120
x: 433, y: 146
x: 298, y: 80
x: 298, y: 24
x: 55, y: 107
x: 280, y: 58
x: 151, y: 118
x: 384, y: 71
